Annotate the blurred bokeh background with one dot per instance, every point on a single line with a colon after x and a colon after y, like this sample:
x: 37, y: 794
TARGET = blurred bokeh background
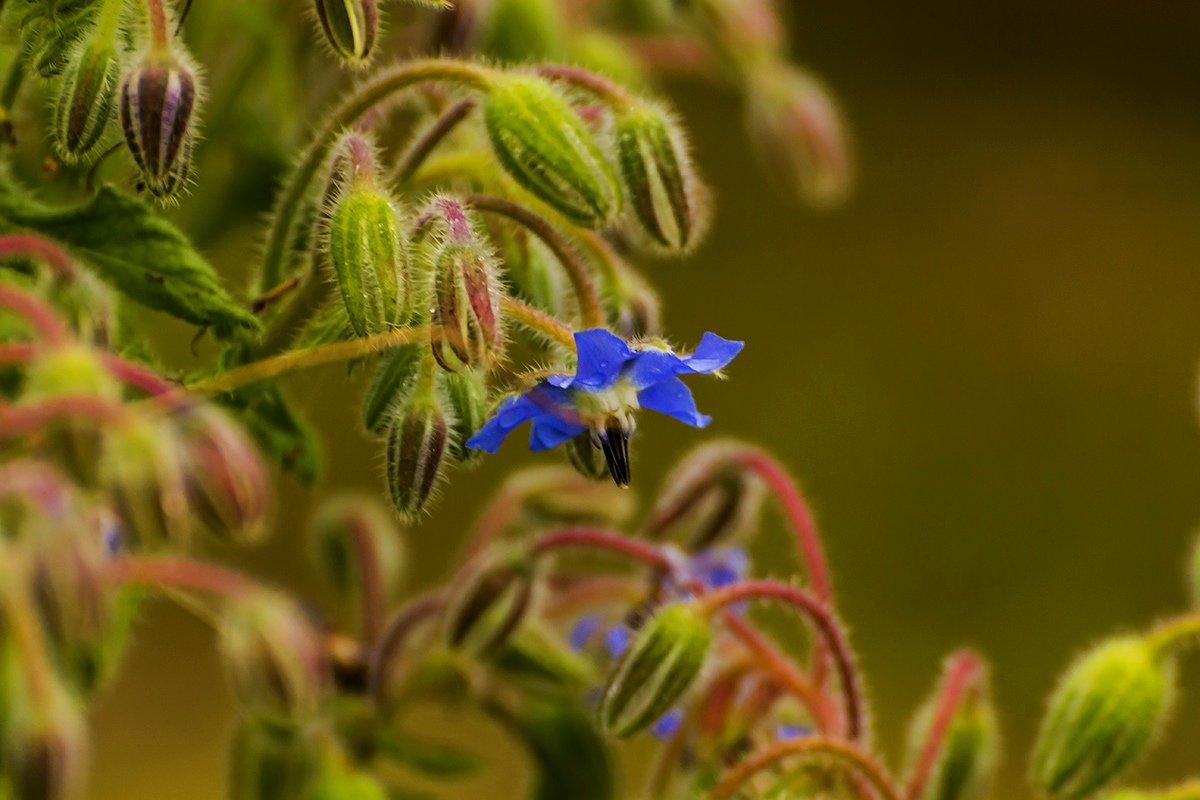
x: 983, y: 368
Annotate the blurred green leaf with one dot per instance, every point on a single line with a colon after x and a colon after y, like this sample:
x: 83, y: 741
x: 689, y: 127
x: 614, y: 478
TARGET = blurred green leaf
x: 428, y: 758
x: 570, y: 755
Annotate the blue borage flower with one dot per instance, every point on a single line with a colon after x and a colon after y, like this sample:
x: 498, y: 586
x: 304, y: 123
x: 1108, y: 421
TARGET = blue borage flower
x: 612, y: 380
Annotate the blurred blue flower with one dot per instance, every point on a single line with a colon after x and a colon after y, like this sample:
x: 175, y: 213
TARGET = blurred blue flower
x: 612, y: 380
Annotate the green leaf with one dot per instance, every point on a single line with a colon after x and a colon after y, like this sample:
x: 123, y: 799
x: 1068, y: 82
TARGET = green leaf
x: 428, y: 758
x: 279, y: 431
x: 130, y: 247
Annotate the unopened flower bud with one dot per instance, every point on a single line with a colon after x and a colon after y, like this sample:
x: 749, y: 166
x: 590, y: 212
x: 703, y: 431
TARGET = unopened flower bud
x: 350, y: 530
x: 466, y: 395
x: 350, y: 27
x: 86, y: 100
x: 558, y: 496
x: 967, y: 757
x: 523, y: 30
x: 587, y: 460
x: 466, y: 306
x: 717, y: 499
x: 395, y: 378
x: 274, y: 656
x: 800, y: 135
x: 45, y: 739
x: 666, y: 196
x: 157, y: 109
x: 1103, y: 716
x: 657, y: 668
x: 417, y: 443
x: 142, y: 469
x: 490, y: 600
x: 49, y: 30
x: 368, y: 249
x: 545, y: 146
x: 269, y: 761
x: 229, y: 487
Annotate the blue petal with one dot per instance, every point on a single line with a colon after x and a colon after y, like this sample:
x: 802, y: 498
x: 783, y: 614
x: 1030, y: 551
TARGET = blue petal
x: 673, y: 398
x: 652, y: 365
x: 550, y: 431
x: 616, y: 640
x: 583, y: 630
x: 541, y: 402
x: 712, y: 353
x: 667, y: 724
x: 786, y: 731
x: 600, y: 356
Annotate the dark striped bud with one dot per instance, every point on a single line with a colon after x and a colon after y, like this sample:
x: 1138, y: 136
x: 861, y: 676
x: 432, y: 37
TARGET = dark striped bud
x: 662, y: 662
x: 350, y: 27
x: 158, y: 103
x: 1103, y: 716
x: 466, y: 306
x: 275, y: 658
x: 586, y: 458
x: 466, y: 396
x: 86, y: 100
x: 142, y: 469
x: 395, y: 378
x: 667, y: 198
x: 368, y: 249
x: 228, y: 484
x: 545, y: 146
x: 417, y: 443
x: 490, y: 600
x: 348, y: 531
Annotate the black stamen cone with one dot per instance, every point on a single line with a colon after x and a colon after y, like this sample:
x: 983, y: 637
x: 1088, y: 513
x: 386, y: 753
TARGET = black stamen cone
x: 615, y: 444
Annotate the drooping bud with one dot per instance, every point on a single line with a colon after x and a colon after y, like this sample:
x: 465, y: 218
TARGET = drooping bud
x: 466, y: 306
x: 228, y: 485
x: 667, y: 198
x: 417, y: 444
x: 800, y: 135
x: 657, y: 668
x: 1103, y: 716
x: 351, y: 28
x: 490, y: 600
x: 395, y: 378
x: 523, y: 30
x: 274, y: 656
x: 64, y: 372
x: 966, y: 759
x: 557, y: 496
x: 368, y: 249
x: 86, y: 100
x: 587, y: 460
x: 142, y: 469
x: 269, y: 761
x: 634, y: 308
x: 466, y: 395
x: 545, y: 146
x: 159, y: 96
x: 348, y: 530
x: 711, y: 496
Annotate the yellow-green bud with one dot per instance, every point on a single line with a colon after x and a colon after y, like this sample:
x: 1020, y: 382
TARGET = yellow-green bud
x: 338, y: 782
x: 466, y: 395
x: 490, y: 600
x: 351, y: 28
x: 663, y: 661
x: 667, y: 198
x: 546, y: 147
x: 523, y: 30
x: 1103, y: 716
x: 368, y: 250
x: 143, y: 471
x: 395, y: 378
x: 86, y: 100
x: 274, y: 656
x: 417, y: 441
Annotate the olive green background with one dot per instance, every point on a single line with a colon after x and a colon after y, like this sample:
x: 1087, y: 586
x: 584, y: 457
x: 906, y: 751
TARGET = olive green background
x: 983, y: 368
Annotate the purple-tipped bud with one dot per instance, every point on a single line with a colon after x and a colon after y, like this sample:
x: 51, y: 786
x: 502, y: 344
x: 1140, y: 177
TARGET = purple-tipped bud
x: 143, y: 472
x: 158, y: 103
x: 800, y: 135
x: 351, y: 28
x: 466, y: 396
x: 228, y: 485
x: 490, y: 600
x: 86, y: 100
x: 657, y: 668
x: 667, y: 198
x: 417, y: 444
x: 275, y: 657
x: 466, y: 306
x: 350, y: 530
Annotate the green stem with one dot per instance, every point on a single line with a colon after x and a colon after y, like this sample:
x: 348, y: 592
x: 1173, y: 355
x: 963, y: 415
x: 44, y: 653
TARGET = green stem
x: 1172, y: 634
x: 109, y: 21
x: 385, y: 85
x: 427, y: 142
x: 539, y: 321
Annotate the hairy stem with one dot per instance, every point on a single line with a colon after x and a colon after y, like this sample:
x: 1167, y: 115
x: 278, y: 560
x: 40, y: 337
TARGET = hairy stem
x: 600, y: 539
x: 412, y: 158
x: 539, y: 321
x: 40, y: 316
x: 16, y: 421
x: 962, y: 675
x: 811, y: 749
x: 1172, y: 634
x: 179, y: 573
x: 30, y: 245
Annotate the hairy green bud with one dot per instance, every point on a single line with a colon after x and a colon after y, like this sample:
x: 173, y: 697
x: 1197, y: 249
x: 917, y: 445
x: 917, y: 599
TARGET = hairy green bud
x: 417, y: 444
x: 228, y: 485
x: 159, y: 96
x: 668, y: 200
x: 50, y: 29
x: 664, y: 660
x: 395, y: 378
x: 274, y: 656
x: 368, y: 249
x: 545, y: 146
x: 86, y: 100
x: 1103, y: 716
x: 466, y: 395
x: 490, y: 600
x: 143, y: 470
x: 466, y: 307
x: 351, y: 28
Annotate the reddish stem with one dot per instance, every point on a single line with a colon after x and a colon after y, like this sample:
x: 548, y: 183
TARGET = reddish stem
x: 39, y: 315
x: 963, y: 673
x: 137, y: 376
x: 373, y: 594
x: 30, y: 245
x: 844, y: 754
x: 179, y: 573
x: 17, y: 352
x: 827, y: 626
x: 602, y: 87
x: 600, y: 539
x: 394, y: 636
x: 21, y: 420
